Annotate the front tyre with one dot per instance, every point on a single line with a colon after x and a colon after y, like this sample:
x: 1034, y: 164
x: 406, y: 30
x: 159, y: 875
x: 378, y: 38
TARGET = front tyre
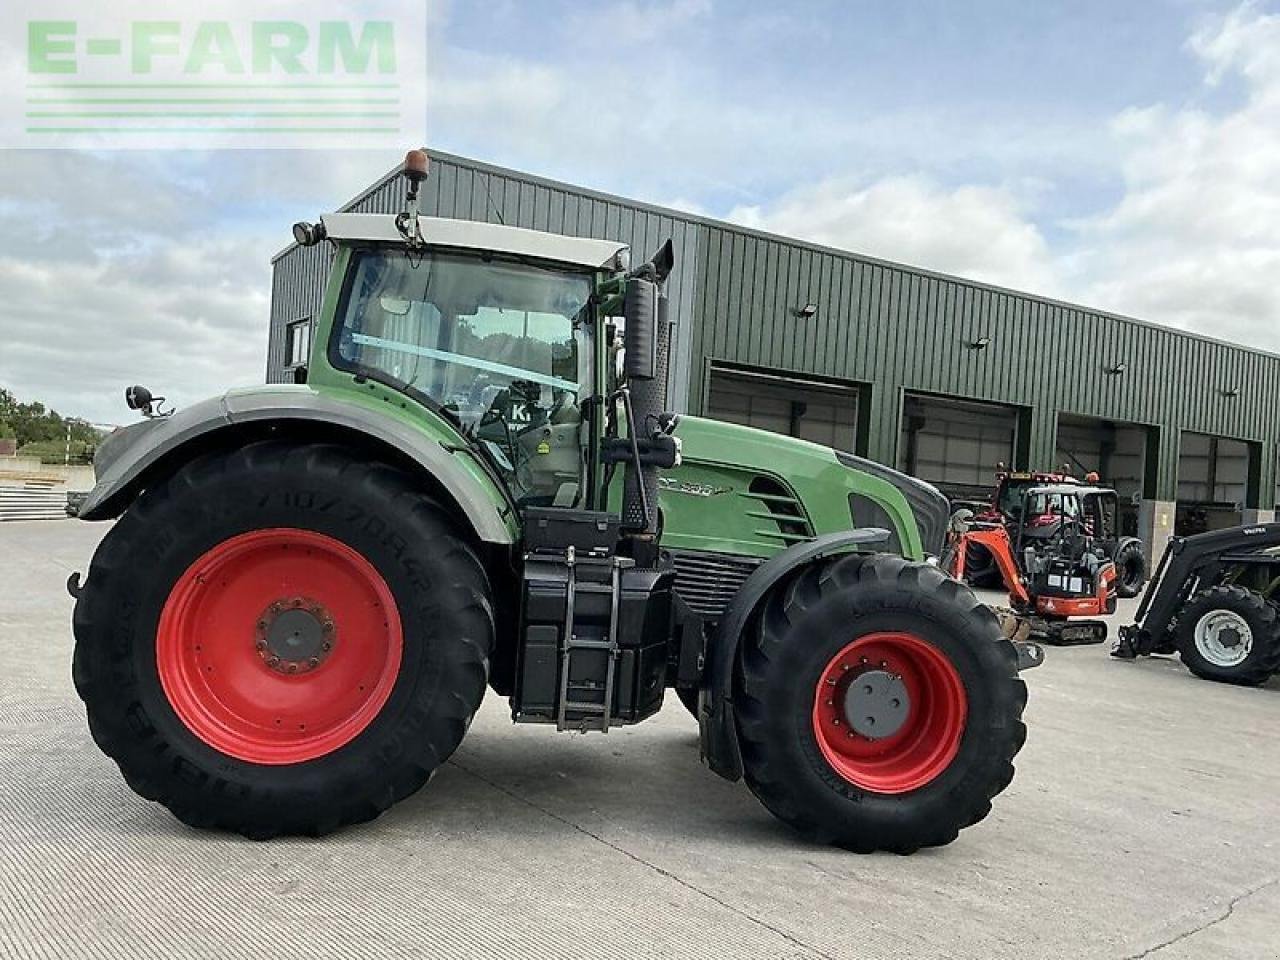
x: 1230, y: 635
x: 878, y: 704
x: 282, y: 640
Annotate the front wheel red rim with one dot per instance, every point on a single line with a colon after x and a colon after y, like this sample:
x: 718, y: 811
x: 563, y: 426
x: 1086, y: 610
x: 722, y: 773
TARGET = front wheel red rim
x: 279, y: 646
x: 889, y: 712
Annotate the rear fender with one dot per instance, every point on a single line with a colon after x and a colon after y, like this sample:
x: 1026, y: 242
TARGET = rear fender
x: 716, y: 724
x: 129, y: 458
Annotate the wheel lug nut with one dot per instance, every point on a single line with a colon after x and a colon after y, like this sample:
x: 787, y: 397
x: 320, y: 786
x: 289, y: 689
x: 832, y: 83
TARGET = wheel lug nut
x: 314, y: 661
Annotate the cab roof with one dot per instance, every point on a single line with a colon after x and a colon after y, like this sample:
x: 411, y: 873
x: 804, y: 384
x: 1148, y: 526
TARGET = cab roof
x: 472, y: 235
x: 1065, y: 489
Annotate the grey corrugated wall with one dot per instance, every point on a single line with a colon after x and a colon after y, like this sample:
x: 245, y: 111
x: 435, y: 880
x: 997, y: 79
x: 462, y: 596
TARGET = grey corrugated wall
x: 885, y: 326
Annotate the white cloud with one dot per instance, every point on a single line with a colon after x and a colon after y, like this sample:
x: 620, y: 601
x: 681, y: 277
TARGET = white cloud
x: 154, y: 267
x: 1195, y: 241
x: 635, y: 22
x: 121, y: 268
x: 976, y: 232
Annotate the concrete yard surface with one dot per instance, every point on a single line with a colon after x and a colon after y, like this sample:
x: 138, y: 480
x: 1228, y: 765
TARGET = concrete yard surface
x: 1142, y: 823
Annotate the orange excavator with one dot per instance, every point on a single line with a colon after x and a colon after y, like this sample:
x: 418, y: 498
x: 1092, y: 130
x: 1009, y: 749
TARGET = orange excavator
x: 1062, y: 577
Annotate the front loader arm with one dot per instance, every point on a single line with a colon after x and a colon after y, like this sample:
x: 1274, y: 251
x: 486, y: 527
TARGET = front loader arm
x: 1188, y: 564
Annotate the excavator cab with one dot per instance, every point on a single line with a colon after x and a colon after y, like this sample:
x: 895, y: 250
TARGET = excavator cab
x: 1061, y: 574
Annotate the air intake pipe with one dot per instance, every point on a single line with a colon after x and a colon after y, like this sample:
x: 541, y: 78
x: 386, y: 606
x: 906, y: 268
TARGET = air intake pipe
x: 647, y: 343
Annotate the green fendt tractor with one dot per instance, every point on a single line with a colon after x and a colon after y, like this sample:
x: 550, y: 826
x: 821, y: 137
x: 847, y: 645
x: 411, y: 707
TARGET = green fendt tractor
x: 476, y: 483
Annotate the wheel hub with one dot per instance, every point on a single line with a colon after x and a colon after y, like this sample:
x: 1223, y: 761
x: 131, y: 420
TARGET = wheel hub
x: 889, y: 712
x: 1223, y: 638
x: 876, y: 704
x: 294, y: 635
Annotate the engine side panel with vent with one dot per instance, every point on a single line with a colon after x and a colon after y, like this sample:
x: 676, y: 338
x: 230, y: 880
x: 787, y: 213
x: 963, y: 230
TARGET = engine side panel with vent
x: 749, y: 493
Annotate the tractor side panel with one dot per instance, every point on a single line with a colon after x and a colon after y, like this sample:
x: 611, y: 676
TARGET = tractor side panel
x: 748, y: 492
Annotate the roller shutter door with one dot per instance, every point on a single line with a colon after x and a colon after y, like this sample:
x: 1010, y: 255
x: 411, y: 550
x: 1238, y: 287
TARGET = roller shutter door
x: 797, y: 408
x: 955, y: 444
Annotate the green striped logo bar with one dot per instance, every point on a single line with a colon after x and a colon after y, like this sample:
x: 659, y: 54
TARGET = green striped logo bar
x: 152, y: 74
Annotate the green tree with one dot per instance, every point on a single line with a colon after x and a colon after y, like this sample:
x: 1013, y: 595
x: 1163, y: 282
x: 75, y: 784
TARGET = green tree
x: 33, y: 423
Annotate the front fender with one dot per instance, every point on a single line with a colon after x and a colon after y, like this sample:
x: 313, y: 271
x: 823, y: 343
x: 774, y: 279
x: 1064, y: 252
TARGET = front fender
x: 125, y: 457
x: 716, y: 723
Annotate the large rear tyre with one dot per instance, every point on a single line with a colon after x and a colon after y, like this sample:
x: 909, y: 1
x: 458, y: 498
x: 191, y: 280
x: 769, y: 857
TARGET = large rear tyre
x: 879, y: 705
x: 1131, y: 568
x: 282, y: 640
x: 1229, y: 635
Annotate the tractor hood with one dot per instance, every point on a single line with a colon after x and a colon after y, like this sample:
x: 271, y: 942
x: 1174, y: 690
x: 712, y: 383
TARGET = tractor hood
x: 829, y: 483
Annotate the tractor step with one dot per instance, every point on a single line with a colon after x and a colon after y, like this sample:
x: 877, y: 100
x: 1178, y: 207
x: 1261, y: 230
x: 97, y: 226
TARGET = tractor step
x: 594, y: 635
x: 574, y: 713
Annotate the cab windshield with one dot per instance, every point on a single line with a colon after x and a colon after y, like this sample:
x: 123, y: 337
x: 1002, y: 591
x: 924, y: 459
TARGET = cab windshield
x: 500, y: 345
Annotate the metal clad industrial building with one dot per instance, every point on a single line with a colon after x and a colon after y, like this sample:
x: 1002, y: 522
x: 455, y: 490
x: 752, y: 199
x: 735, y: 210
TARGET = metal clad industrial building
x: 931, y: 373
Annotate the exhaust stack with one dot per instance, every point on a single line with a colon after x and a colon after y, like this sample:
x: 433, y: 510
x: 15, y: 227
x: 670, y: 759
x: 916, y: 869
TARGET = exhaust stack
x: 647, y: 346
x: 648, y: 342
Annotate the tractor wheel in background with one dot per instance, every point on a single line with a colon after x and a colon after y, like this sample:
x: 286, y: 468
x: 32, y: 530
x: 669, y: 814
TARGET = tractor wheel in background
x: 282, y: 640
x: 1229, y: 634
x: 1131, y: 568
x: 878, y: 704
x: 980, y: 567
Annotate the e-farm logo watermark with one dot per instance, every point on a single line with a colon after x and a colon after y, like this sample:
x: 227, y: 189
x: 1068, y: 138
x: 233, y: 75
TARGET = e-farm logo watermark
x: 215, y: 74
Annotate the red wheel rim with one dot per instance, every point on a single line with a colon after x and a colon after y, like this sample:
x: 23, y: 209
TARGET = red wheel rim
x: 912, y: 690
x: 279, y: 646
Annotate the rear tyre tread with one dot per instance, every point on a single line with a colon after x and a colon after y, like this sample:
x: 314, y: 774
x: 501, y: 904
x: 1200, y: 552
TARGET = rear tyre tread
x: 365, y: 783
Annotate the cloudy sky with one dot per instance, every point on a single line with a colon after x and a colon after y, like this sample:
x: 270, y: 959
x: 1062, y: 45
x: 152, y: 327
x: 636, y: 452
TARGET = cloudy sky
x: 1121, y: 155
